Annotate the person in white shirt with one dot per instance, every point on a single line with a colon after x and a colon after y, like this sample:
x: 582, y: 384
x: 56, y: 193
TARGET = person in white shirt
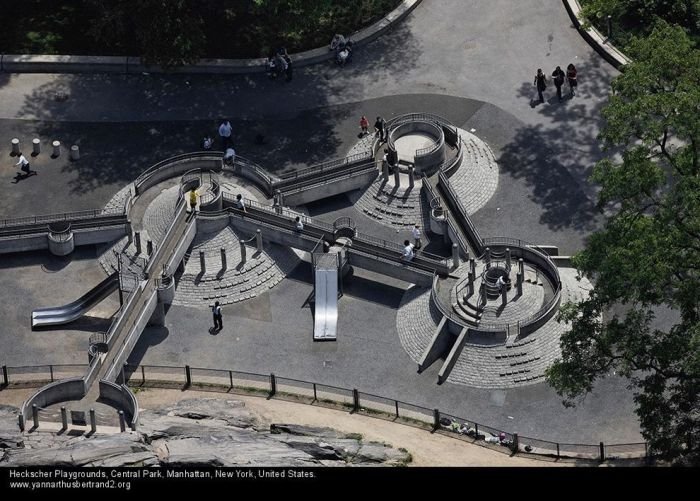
x: 225, y: 133
x: 299, y: 225
x: 239, y: 203
x: 229, y: 156
x: 207, y: 142
x: 500, y: 282
x: 408, y: 253
x: 23, y: 163
x: 416, y: 237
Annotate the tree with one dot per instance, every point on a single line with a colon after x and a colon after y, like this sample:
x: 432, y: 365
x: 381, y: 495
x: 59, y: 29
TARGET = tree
x: 642, y: 13
x: 648, y: 254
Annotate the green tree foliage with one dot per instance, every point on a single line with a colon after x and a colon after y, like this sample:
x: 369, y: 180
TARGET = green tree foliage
x: 648, y: 255
x: 685, y: 13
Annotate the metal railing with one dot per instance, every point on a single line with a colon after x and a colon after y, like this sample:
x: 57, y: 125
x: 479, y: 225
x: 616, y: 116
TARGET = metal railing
x: 327, y: 166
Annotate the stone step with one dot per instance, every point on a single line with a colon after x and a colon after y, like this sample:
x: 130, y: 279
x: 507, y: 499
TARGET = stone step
x: 471, y: 321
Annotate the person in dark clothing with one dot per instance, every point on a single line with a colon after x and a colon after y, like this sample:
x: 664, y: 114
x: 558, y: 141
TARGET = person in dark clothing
x: 288, y: 70
x: 558, y: 78
x: 380, y: 128
x: 571, y: 76
x: 218, y: 316
x: 541, y: 84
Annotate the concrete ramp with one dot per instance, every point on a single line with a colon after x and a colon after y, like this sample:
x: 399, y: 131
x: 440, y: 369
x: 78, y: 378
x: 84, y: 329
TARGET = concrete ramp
x: 326, y: 298
x: 59, y: 315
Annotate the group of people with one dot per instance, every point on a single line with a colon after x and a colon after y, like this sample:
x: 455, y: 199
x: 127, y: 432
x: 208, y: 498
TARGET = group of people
x: 410, y: 248
x: 558, y: 77
x: 379, y: 128
x: 279, y: 63
x: 342, y: 48
x: 225, y: 132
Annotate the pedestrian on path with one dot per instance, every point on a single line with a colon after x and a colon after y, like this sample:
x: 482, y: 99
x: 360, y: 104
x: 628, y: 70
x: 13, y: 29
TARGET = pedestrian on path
x: 218, y: 316
x: 380, y: 128
x: 193, y: 199
x: 225, y: 134
x: 540, y: 83
x: 364, y: 125
x: 572, y: 77
x: 299, y: 226
x: 416, y: 237
x: 558, y: 78
x: 24, y: 164
x: 229, y: 156
x: 408, y: 253
x: 239, y: 203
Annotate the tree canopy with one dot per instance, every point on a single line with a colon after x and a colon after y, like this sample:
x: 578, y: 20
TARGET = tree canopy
x: 648, y: 254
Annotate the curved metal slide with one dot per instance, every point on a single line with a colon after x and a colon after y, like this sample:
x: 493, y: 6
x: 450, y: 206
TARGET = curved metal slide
x: 326, y: 308
x: 58, y: 315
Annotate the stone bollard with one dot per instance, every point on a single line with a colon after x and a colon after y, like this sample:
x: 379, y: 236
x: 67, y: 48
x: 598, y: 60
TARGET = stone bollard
x: 385, y: 170
x: 484, y: 298
x: 36, y: 146
x: 64, y: 418
x: 519, y: 283
x: 508, y: 257
x: 122, y: 421
x: 35, y: 415
x: 75, y: 152
x: 411, y: 176
x: 397, y: 178
x: 504, y: 295
x: 258, y: 240
x: 149, y: 247
x: 137, y: 242
x: 455, y: 256
x: 15, y: 146
x: 93, y: 421
x: 243, y: 257
x: 521, y: 266
x: 223, y: 258
x: 202, y: 263
x: 56, y: 149
x: 488, y: 257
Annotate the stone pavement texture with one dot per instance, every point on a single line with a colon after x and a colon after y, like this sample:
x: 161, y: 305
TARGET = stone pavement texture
x: 487, y: 52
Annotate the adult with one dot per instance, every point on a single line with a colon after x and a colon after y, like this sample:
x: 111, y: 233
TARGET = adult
x: 239, y: 203
x: 207, y: 142
x: 193, y: 199
x: 299, y: 226
x: 500, y: 283
x: 364, y: 125
x: 24, y: 164
x: 229, y: 156
x: 540, y: 83
x: 338, y: 42
x: 225, y: 131
x: 380, y: 128
x: 408, y: 253
x: 558, y: 78
x: 288, y: 69
x: 572, y: 77
x: 218, y: 316
x: 415, y: 232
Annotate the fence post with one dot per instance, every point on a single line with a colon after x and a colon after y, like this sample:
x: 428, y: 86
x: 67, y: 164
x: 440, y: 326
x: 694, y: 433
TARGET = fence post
x: 258, y: 240
x: 93, y: 421
x: 436, y: 419
x: 137, y: 242
x: 188, y: 376
x: 143, y: 375
x: 230, y: 378
x: 51, y: 372
x: 20, y: 421
x: 273, y: 385
x: 5, y: 379
x: 35, y: 415
x: 64, y: 418
x: 558, y: 455
x: 476, y: 430
x: 516, y: 443
x: 243, y: 257
x: 223, y: 258
x: 355, y: 400
x: 602, y: 452
x: 315, y: 397
x: 149, y: 247
x: 122, y: 422
x: 202, y: 262
x: 396, y: 403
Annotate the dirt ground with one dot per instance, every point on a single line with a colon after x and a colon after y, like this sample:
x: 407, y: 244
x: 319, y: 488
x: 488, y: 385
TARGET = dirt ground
x: 427, y: 449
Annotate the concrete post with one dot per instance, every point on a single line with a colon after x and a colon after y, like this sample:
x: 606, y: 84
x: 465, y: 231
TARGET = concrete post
x: 202, y: 263
x: 149, y: 247
x: 35, y: 415
x: 484, y: 299
x: 243, y: 258
x: 56, y: 149
x: 64, y: 418
x: 521, y: 266
x: 122, y: 422
x: 5, y: 378
x: 93, y: 421
x: 411, y: 176
x: 466, y: 255
x: 258, y: 240
x: 602, y: 452
x: 436, y: 419
x: 75, y: 152
x: 516, y: 443
x: 355, y: 400
x: 519, y: 283
x: 278, y: 201
x: 508, y: 258
x: 188, y: 376
x: 15, y: 146
x: 455, y: 256
x: 36, y: 146
x: 137, y: 242
x: 488, y: 258
x: 504, y: 295
x: 20, y: 421
x: 223, y: 258
x: 472, y: 266
x: 273, y: 385
x: 385, y: 170
x: 397, y: 179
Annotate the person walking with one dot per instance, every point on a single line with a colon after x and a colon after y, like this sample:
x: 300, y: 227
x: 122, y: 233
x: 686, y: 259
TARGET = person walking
x: 380, y: 128
x: 572, y: 77
x: 408, y: 253
x: 364, y: 125
x: 218, y: 316
x: 558, y: 78
x: 415, y: 232
x: 225, y: 134
x: 298, y: 225
x: 239, y: 203
x: 540, y: 83
x: 193, y: 199
x: 24, y: 164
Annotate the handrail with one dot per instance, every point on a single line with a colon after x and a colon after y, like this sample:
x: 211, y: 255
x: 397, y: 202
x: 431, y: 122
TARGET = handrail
x: 326, y: 166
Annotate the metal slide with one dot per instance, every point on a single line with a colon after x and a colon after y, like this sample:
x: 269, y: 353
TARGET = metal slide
x: 326, y: 297
x: 58, y: 315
